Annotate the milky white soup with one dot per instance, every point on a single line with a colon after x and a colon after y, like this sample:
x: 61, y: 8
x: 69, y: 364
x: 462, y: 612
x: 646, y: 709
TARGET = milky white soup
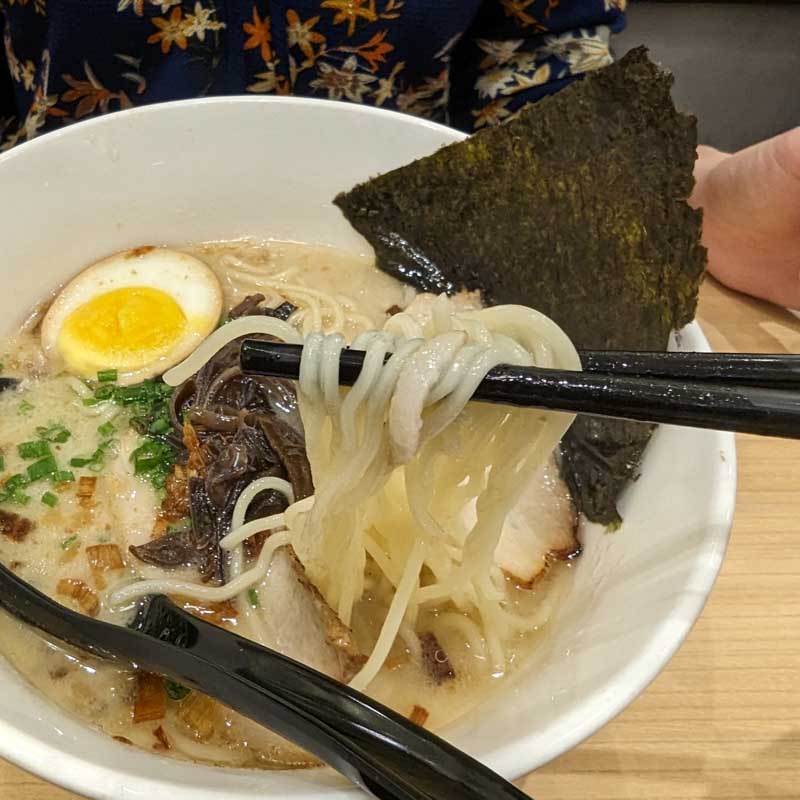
x: 106, y: 486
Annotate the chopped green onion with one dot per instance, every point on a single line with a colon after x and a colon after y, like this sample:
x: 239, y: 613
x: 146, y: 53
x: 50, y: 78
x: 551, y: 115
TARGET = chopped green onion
x: 96, y: 460
x: 2, y: 461
x: 106, y: 429
x: 37, y: 449
x: 150, y: 455
x: 150, y: 417
x: 63, y: 476
x: 42, y: 468
x: 104, y: 392
x: 161, y: 425
x: 146, y: 463
x: 69, y: 541
x: 90, y: 401
x: 12, y: 490
x: 25, y: 407
x: 2, y: 366
x: 15, y: 482
x: 176, y: 691
x: 19, y: 497
x: 50, y: 499
x: 55, y: 432
x: 107, y: 375
x: 252, y: 596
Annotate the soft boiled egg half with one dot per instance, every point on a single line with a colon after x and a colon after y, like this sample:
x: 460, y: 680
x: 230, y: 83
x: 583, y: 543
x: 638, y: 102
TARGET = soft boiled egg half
x: 138, y: 312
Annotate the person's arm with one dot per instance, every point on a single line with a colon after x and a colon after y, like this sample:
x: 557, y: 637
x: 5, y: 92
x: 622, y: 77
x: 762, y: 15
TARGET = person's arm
x: 751, y: 216
x: 520, y: 50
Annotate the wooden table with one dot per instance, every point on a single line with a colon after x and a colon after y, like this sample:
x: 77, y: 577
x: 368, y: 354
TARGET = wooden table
x: 723, y: 720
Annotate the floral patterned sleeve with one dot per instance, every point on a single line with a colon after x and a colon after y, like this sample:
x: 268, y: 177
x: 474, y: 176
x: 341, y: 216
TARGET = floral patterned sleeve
x: 6, y: 89
x: 468, y: 63
x: 520, y: 50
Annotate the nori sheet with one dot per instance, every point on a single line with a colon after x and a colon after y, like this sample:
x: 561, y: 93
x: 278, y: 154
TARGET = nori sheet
x: 577, y: 207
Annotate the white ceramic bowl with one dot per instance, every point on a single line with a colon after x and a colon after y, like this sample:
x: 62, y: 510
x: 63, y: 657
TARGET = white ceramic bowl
x: 224, y: 168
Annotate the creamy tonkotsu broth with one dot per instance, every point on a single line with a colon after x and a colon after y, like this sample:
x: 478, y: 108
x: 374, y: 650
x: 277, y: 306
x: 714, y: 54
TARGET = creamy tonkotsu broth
x: 69, y: 530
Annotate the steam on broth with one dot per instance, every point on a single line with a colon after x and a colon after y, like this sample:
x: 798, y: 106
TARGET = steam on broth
x: 412, y: 548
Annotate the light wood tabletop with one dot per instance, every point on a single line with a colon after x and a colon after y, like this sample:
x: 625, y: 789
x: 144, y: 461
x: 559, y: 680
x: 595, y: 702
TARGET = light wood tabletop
x: 722, y: 722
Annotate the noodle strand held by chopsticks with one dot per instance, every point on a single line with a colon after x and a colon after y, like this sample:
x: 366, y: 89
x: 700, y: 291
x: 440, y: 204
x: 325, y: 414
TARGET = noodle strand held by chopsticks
x: 411, y: 478
x: 406, y: 438
x: 245, y: 326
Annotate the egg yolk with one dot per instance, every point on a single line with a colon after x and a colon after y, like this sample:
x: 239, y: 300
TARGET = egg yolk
x: 124, y: 329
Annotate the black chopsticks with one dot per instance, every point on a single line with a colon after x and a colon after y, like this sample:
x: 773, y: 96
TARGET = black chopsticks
x: 731, y: 392
x: 743, y: 369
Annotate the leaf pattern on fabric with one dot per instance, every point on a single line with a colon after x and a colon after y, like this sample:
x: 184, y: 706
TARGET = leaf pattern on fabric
x: 472, y: 64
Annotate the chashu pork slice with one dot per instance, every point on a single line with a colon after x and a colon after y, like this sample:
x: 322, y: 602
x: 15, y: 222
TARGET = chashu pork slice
x: 542, y: 528
x: 301, y: 624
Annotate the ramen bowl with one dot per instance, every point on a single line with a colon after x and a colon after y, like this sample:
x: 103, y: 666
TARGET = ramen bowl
x: 270, y: 167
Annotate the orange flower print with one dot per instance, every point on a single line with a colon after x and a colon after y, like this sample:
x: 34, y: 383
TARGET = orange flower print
x: 260, y: 35
x: 492, y: 114
x: 374, y: 51
x: 350, y: 11
x: 517, y: 10
x: 171, y: 31
x: 91, y: 94
x: 300, y: 34
x: 136, y: 5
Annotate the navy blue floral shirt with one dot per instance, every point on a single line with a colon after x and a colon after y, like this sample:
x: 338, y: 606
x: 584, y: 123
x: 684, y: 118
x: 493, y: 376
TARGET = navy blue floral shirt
x: 469, y: 63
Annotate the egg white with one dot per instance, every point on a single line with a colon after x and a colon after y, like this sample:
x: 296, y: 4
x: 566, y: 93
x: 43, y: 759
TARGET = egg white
x: 187, y: 280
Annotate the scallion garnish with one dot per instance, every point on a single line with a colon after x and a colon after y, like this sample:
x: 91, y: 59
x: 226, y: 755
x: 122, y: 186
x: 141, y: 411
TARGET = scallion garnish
x: 50, y: 499
x: 55, y: 432
x: 97, y: 459
x: 161, y: 425
x: 105, y: 392
x: 19, y: 497
x: 42, y: 469
x: 15, y: 482
x: 252, y: 596
x: 63, y: 476
x: 175, y: 691
x: 106, y: 429
x: 107, y: 375
x: 25, y: 407
x: 69, y: 541
x: 37, y: 449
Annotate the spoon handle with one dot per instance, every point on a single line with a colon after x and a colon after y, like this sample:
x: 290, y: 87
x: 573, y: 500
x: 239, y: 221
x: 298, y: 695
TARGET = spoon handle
x: 376, y: 748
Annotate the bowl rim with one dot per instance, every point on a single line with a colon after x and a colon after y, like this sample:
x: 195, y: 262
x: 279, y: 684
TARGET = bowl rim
x: 512, y: 759
x: 85, y: 125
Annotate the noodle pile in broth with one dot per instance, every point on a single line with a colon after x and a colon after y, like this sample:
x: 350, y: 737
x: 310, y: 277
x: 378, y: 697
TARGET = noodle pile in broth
x: 415, y: 559
x: 398, y: 460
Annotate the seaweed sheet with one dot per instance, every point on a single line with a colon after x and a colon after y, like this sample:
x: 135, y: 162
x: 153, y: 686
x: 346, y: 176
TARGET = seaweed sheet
x: 577, y: 208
